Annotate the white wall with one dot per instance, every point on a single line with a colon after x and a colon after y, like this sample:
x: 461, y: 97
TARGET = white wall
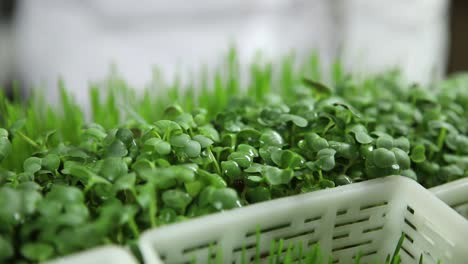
x: 79, y: 39
x: 6, y: 53
x: 411, y: 35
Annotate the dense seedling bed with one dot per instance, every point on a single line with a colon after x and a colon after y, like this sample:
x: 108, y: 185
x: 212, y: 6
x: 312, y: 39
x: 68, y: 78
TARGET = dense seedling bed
x: 142, y: 161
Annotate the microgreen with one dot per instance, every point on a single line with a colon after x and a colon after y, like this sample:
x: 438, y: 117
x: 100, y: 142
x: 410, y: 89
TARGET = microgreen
x: 281, y: 251
x: 141, y: 161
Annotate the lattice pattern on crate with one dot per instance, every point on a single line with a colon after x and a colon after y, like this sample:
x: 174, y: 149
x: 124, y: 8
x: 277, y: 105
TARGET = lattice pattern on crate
x: 351, y: 224
x: 357, y: 230
x: 365, y: 221
x: 198, y: 252
x: 289, y: 232
x: 303, y: 231
x: 420, y: 236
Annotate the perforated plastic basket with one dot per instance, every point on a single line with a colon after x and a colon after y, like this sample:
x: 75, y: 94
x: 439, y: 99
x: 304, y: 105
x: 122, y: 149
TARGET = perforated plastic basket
x: 455, y: 194
x: 367, y: 217
x: 99, y: 255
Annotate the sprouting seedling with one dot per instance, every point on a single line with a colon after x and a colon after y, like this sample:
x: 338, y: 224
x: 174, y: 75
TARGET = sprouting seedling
x: 357, y: 258
x: 395, y: 258
x: 163, y: 165
x: 319, y: 87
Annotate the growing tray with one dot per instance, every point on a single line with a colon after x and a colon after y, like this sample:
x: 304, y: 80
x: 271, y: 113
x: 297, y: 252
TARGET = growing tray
x: 367, y: 217
x: 455, y: 194
x: 99, y: 255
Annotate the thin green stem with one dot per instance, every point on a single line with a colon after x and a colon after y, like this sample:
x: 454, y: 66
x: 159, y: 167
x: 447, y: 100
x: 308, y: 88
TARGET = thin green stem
x: 28, y: 140
x: 215, y: 161
x: 133, y: 227
x: 320, y: 175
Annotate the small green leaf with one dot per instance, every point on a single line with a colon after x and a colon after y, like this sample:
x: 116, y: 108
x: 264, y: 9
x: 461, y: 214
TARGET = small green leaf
x: 266, y: 152
x: 258, y: 194
x: 11, y: 210
x: 402, y: 158
x: 30, y: 199
x: 319, y: 87
x: 224, y: 199
x: 276, y: 176
x: 242, y: 158
x: 366, y: 150
x: 450, y: 172
x: 37, y: 251
x: 17, y: 125
x: 124, y: 182
x: 209, y: 132
x: 50, y: 208
x: 65, y: 194
x: 77, y: 153
x: 361, y: 134
x: 343, y: 180
x: 418, y: 153
x: 167, y: 215
x: 183, y: 173
x: 192, y: 148
x: 173, y: 111
x: 271, y: 138
x: 276, y: 156
x: 51, y: 162
x: 250, y: 136
x: 203, y: 140
x: 180, y: 140
x: 292, y: 160
x: 248, y: 149
x: 86, y: 175
x: 255, y: 167
x: 186, y: 121
x: 315, y: 142
x: 116, y: 149
x: 125, y: 135
x: 363, y: 138
x: 384, y: 142
x: 410, y: 174
x: 383, y: 158
x: 211, y: 179
x: 429, y: 168
x: 402, y: 143
x: 254, y: 178
x: 231, y: 169
x: 166, y: 126
x: 95, y: 132
x: 142, y: 165
x: 193, y: 188
x: 6, y: 249
x: 204, y: 198
x: 32, y: 164
x: 176, y: 199
x: 158, y: 145
x: 5, y: 148
x: 324, y: 183
x: 3, y: 133
x: 297, y: 120
x: 326, y: 159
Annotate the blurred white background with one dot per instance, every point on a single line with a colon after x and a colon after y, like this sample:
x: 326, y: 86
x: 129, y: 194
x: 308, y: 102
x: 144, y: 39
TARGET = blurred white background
x: 78, y: 40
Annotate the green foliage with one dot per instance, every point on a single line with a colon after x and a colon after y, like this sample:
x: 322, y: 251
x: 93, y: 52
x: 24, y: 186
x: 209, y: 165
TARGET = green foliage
x: 283, y: 252
x: 147, y: 160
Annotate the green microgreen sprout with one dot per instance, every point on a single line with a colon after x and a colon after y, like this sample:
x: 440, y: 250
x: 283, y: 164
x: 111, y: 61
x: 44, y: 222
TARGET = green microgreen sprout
x: 71, y: 181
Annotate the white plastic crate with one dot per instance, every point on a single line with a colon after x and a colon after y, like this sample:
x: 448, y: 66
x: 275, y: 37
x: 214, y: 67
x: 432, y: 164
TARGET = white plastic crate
x: 366, y: 217
x: 99, y: 255
x: 455, y: 194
